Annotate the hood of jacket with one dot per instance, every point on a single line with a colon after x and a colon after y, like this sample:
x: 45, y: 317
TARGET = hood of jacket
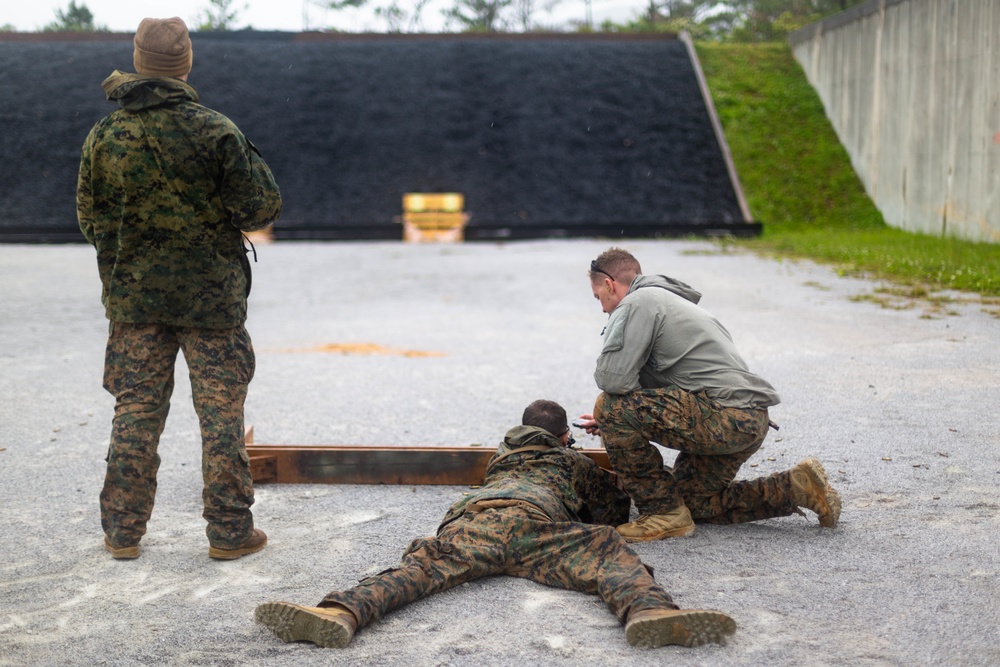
x: 663, y: 282
x: 135, y: 92
x: 524, y: 436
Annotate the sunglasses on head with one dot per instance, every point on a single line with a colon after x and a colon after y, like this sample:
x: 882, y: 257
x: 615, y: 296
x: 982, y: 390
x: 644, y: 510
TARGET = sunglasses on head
x: 595, y: 269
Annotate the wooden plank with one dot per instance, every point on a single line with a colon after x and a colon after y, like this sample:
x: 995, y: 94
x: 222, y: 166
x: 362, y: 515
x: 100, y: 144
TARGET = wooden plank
x: 341, y: 464
x: 264, y: 468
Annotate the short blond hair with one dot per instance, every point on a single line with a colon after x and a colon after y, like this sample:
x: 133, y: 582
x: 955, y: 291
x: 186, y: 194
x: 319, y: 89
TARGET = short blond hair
x: 615, y: 263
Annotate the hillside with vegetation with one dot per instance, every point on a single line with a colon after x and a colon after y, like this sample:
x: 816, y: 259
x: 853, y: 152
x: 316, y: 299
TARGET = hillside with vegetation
x: 799, y: 182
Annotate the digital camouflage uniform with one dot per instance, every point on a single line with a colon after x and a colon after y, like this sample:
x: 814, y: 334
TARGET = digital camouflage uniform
x: 534, y: 518
x: 166, y: 187
x: 671, y: 374
x: 713, y: 442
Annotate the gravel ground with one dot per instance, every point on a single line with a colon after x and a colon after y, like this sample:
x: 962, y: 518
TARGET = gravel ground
x: 900, y: 405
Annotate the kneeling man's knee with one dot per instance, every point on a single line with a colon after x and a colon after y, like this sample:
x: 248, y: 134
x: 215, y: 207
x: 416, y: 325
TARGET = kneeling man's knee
x: 607, y: 406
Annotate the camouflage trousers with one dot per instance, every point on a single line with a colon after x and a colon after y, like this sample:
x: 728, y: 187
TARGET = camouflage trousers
x: 516, y: 542
x: 713, y: 441
x: 139, y: 373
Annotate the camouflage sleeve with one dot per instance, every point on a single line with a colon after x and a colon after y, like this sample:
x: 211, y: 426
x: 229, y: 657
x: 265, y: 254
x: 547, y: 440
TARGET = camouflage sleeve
x: 605, y: 502
x: 249, y: 192
x: 85, y: 193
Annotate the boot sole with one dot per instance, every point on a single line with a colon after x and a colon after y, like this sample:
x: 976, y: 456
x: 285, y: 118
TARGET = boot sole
x: 817, y: 477
x: 233, y: 554
x: 687, y: 628
x: 683, y: 531
x: 122, y: 553
x: 292, y: 623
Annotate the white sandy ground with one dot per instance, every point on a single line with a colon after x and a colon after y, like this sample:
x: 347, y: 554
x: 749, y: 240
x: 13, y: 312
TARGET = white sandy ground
x: 902, y: 409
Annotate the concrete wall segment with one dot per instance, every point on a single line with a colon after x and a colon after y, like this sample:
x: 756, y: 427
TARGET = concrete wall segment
x: 911, y: 88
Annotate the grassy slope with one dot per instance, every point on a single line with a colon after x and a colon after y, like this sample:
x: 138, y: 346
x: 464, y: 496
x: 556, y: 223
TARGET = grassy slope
x: 799, y: 181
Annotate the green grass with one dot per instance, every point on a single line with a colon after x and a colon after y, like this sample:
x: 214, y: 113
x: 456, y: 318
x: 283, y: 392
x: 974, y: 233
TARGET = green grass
x: 799, y: 182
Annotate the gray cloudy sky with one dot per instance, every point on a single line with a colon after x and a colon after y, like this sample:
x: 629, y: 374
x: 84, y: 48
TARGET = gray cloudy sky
x: 293, y: 15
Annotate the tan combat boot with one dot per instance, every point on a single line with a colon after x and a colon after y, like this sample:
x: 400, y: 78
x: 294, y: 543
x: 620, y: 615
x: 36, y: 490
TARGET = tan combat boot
x: 680, y: 627
x: 121, y: 553
x: 648, y: 527
x: 329, y: 627
x: 254, y: 543
x: 810, y: 489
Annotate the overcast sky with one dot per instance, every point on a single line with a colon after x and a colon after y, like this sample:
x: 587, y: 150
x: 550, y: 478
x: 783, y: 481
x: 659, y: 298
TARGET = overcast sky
x: 293, y: 15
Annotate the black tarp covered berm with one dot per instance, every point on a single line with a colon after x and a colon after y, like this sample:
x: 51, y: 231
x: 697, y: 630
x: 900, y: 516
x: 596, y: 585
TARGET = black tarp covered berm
x: 545, y: 135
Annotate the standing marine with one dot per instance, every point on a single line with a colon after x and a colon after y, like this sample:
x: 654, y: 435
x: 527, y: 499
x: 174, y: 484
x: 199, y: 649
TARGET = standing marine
x: 166, y: 189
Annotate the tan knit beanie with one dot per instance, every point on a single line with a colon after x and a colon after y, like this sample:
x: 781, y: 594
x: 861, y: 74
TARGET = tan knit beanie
x: 162, y: 48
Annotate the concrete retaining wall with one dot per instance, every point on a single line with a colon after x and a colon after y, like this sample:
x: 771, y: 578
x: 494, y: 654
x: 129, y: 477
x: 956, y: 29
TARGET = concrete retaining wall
x: 912, y: 89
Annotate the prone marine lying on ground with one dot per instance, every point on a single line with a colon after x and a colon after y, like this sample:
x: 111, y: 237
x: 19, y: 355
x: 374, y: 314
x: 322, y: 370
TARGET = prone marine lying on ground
x: 545, y: 513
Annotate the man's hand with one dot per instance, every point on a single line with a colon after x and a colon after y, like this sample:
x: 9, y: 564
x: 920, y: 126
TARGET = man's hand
x: 587, y: 423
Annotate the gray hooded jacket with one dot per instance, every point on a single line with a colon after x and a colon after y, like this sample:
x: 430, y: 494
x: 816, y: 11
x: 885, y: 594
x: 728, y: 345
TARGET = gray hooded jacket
x: 659, y: 337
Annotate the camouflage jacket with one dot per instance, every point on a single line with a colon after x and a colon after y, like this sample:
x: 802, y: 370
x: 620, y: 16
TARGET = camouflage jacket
x: 166, y: 187
x: 565, y: 484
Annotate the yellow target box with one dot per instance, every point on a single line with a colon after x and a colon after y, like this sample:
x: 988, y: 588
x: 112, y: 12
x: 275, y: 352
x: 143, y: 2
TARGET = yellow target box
x: 434, y: 217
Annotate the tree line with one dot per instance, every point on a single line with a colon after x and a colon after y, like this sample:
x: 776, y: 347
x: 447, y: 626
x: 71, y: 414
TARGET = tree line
x: 732, y: 20
x: 721, y: 20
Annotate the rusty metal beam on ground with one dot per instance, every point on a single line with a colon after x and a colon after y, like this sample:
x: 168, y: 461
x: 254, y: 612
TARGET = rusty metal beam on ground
x: 345, y: 464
